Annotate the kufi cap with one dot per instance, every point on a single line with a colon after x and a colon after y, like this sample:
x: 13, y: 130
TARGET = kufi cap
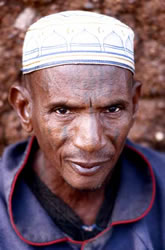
x: 77, y: 37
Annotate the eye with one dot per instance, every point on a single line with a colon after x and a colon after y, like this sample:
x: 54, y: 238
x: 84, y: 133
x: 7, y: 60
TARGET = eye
x: 113, y: 109
x: 62, y: 111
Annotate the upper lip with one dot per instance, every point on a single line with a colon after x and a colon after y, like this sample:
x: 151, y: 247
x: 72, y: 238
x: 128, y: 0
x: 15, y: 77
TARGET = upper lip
x: 89, y: 164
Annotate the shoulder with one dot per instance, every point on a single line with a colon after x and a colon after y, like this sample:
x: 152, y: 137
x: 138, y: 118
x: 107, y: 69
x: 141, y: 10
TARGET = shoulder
x: 152, y: 155
x: 10, y: 162
x: 155, y: 158
x: 13, y: 155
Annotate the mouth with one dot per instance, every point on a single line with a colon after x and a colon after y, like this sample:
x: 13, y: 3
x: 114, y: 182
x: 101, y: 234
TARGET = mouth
x: 87, y: 168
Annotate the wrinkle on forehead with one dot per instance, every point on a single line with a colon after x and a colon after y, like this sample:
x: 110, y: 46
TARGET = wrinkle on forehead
x: 80, y: 77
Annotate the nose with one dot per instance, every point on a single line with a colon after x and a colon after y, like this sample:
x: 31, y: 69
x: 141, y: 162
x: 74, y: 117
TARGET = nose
x: 89, y: 134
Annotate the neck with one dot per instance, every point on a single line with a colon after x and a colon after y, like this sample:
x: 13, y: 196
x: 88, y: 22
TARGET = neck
x: 85, y: 203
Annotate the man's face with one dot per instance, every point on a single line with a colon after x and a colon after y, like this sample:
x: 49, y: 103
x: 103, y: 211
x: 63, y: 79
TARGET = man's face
x: 81, y: 115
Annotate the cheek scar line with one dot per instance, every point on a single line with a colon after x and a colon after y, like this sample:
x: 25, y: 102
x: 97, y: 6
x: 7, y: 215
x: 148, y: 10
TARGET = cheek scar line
x: 90, y: 103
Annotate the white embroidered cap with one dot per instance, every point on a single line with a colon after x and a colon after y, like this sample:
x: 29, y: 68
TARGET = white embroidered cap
x: 78, y: 37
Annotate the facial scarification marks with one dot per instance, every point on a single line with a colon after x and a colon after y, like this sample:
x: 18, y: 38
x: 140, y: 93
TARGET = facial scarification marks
x: 90, y: 103
x: 64, y: 132
x: 49, y: 131
x: 116, y: 136
x: 88, y: 97
x: 90, y: 82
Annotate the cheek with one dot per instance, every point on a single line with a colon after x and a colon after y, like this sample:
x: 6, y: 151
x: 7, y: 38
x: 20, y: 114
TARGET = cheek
x: 52, y: 133
x: 118, y: 129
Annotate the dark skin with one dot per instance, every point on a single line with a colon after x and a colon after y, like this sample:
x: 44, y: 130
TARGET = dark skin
x: 81, y: 116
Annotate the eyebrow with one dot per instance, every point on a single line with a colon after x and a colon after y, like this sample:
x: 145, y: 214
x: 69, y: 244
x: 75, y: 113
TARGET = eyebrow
x: 79, y: 106
x: 62, y: 104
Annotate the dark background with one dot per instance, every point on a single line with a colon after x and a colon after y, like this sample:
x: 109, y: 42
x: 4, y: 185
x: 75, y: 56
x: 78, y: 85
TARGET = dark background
x: 147, y: 18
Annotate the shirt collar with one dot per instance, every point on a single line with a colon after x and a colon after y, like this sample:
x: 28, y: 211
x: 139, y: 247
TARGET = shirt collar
x: 134, y: 199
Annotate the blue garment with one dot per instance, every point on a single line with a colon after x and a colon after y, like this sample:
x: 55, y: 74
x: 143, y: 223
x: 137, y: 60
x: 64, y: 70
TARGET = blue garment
x: 138, y: 218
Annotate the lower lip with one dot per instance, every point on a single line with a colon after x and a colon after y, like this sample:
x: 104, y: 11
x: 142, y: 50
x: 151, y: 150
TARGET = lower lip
x: 82, y: 170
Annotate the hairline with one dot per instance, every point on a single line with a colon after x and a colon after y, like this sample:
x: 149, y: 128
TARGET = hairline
x: 26, y: 82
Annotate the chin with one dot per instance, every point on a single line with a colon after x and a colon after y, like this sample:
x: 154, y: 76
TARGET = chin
x: 86, y: 186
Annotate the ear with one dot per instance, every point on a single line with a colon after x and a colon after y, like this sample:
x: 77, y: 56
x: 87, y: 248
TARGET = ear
x: 136, y: 92
x: 19, y: 98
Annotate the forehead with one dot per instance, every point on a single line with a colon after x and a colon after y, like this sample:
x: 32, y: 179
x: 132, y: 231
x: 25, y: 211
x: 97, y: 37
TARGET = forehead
x: 78, y: 80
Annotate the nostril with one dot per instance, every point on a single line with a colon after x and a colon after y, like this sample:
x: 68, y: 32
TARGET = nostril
x: 87, y: 145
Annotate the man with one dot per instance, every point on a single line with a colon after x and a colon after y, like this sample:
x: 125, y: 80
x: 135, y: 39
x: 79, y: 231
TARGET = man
x: 78, y: 183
